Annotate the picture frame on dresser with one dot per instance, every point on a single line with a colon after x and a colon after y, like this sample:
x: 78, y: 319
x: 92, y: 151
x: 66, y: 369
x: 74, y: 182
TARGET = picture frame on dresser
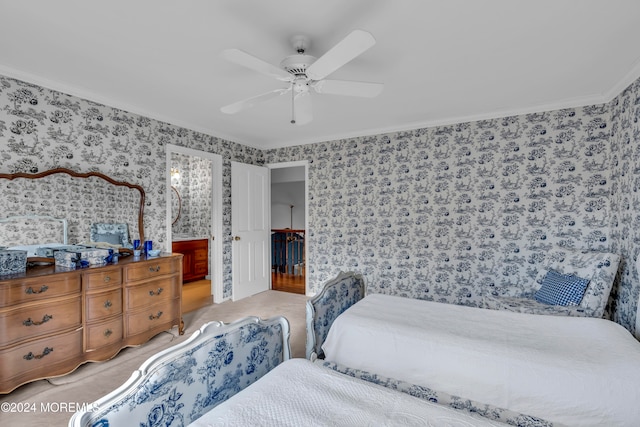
x: 52, y: 318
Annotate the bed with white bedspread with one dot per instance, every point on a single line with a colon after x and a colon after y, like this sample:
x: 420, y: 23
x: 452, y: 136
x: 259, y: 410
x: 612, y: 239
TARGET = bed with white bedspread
x: 240, y: 374
x: 569, y: 370
x: 302, y: 393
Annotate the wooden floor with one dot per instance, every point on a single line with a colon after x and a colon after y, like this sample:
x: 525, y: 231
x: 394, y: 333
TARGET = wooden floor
x: 197, y: 294
x: 288, y: 283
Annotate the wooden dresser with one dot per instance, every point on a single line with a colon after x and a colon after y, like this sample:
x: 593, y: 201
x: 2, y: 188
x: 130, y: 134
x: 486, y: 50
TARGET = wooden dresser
x: 51, y: 321
x: 195, y: 264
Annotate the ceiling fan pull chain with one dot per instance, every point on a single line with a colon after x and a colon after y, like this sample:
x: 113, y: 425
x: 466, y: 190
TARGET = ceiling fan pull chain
x: 293, y: 107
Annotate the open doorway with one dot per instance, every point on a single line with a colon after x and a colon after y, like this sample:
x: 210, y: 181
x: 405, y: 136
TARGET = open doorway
x: 194, y: 222
x: 289, y: 225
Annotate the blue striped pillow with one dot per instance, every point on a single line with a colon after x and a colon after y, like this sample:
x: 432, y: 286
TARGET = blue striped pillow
x: 561, y: 289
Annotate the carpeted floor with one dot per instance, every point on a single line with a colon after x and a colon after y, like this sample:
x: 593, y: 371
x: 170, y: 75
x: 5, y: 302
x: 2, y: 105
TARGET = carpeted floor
x: 43, y: 402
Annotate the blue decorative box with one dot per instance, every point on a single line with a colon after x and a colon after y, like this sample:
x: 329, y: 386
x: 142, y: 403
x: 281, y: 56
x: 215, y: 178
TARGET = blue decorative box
x: 12, y: 261
x: 47, y: 252
x: 67, y: 259
x: 95, y: 256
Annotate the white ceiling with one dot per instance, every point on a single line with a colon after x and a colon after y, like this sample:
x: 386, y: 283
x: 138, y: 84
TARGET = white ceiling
x: 441, y: 62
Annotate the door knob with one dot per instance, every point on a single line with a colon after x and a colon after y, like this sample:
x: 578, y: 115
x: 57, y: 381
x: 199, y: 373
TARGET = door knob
x: 236, y: 237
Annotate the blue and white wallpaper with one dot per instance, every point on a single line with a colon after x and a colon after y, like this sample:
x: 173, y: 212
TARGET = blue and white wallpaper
x: 453, y: 212
x: 448, y: 213
x: 625, y: 202
x: 193, y: 187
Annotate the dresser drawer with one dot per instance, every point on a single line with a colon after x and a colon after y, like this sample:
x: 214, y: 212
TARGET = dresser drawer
x: 159, y: 316
x: 38, y: 288
x: 152, y: 292
x: 39, y: 319
x: 152, y: 268
x: 103, y: 334
x: 40, y: 356
x: 103, y: 304
x: 103, y: 277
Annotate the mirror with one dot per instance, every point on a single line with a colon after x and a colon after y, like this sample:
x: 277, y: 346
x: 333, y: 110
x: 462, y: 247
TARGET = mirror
x: 81, y: 199
x: 176, y: 205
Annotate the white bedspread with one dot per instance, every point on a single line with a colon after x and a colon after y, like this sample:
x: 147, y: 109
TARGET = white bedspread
x: 569, y: 370
x: 300, y: 393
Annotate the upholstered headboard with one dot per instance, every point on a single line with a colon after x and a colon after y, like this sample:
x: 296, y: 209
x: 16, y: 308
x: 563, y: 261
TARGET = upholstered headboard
x: 184, y: 381
x: 336, y: 296
x: 598, y: 268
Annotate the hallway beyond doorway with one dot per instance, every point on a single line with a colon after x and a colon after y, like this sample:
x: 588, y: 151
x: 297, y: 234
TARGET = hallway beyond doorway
x: 293, y: 283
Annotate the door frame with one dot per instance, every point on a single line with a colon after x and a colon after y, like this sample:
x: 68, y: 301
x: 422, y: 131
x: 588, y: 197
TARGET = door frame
x: 307, y: 235
x: 216, y: 238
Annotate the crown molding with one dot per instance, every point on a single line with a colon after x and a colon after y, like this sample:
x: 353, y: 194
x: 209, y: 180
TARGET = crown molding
x: 83, y: 93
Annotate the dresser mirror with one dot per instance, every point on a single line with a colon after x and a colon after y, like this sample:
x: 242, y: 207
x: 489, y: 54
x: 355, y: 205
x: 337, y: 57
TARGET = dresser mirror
x: 176, y: 205
x: 64, y: 206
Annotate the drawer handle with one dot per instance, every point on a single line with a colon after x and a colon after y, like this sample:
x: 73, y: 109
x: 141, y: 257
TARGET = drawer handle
x: 154, y: 269
x: 30, y: 322
x: 108, y: 304
x: 152, y: 317
x: 107, y: 279
x: 31, y: 356
x: 158, y: 292
x: 30, y: 290
x: 108, y: 333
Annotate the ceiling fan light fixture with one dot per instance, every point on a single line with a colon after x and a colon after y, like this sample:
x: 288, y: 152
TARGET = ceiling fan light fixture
x: 300, y: 85
x: 297, y: 64
x: 303, y: 72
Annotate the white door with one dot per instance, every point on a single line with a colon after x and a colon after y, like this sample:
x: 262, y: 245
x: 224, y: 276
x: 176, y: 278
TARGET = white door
x: 250, y: 229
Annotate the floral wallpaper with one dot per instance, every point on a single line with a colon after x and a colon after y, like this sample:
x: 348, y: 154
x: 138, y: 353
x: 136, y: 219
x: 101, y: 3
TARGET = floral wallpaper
x: 453, y: 212
x: 625, y: 202
x: 193, y: 184
x: 200, y: 196
x: 194, y: 187
x: 182, y: 184
x: 448, y: 213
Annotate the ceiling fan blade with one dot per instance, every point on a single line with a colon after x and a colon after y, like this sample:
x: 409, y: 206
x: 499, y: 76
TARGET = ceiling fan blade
x: 241, y: 57
x: 302, y: 111
x: 250, y: 102
x: 348, y: 48
x: 348, y: 88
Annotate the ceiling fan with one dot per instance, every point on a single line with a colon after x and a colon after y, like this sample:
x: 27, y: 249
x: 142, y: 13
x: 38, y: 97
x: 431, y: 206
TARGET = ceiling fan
x: 304, y: 72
